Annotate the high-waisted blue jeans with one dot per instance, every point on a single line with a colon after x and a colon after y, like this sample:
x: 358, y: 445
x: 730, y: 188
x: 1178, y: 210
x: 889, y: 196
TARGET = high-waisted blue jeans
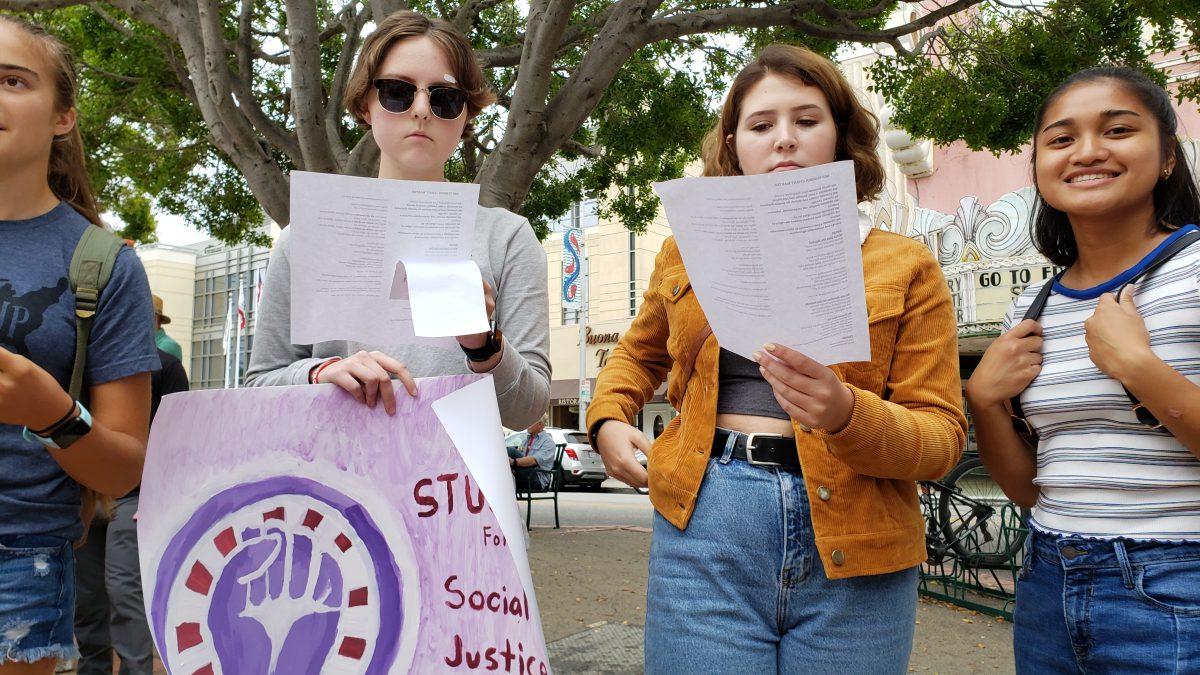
x: 742, y: 589
x: 1120, y: 606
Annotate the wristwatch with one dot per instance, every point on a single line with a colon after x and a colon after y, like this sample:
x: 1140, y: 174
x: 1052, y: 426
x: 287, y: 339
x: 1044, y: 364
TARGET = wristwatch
x: 489, y: 348
x: 63, y: 435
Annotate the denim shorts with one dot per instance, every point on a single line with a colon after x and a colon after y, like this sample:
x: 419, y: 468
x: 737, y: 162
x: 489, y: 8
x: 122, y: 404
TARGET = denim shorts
x: 1107, y: 606
x: 37, y: 598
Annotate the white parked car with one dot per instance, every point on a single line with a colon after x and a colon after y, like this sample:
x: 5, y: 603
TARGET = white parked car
x: 581, y: 464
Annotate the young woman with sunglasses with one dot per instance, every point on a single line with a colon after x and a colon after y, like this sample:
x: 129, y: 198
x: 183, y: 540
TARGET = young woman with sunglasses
x: 418, y: 85
x: 1111, y: 580
x: 787, y: 531
x: 52, y: 447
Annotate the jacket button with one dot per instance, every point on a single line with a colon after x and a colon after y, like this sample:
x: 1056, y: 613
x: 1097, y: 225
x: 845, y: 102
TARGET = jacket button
x: 824, y: 493
x: 675, y: 291
x: 839, y: 558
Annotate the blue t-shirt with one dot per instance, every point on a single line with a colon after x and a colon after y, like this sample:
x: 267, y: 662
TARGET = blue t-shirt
x: 37, y: 321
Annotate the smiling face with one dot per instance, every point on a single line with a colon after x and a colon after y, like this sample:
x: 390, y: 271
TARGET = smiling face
x: 414, y: 144
x: 783, y: 124
x: 1099, y: 153
x: 29, y: 114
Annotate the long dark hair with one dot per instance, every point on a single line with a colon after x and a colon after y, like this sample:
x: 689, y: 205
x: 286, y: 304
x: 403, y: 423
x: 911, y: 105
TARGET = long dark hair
x: 1176, y: 200
x: 68, y: 176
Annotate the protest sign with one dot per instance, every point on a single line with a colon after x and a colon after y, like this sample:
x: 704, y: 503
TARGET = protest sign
x: 294, y: 530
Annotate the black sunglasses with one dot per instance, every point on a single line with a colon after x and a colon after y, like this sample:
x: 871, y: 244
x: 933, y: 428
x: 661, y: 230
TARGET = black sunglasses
x: 397, y: 96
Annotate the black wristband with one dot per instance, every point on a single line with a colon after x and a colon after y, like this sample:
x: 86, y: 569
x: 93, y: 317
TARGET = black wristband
x: 489, y: 349
x: 45, y: 433
x: 594, y: 431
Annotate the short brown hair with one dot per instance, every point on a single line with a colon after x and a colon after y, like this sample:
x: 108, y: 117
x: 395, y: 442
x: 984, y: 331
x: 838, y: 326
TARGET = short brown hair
x: 857, y: 127
x: 406, y: 24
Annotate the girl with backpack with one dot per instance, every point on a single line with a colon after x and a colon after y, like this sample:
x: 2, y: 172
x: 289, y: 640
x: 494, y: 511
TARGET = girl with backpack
x: 53, y: 446
x: 1106, y: 375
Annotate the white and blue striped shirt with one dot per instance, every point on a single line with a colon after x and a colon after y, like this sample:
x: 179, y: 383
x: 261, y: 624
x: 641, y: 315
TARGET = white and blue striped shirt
x: 1101, y: 473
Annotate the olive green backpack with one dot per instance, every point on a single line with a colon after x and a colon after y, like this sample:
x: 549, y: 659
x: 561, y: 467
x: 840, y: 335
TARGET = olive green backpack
x: 90, y: 271
x: 91, y: 268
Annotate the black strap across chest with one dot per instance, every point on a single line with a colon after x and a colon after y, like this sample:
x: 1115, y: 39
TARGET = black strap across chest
x: 1039, y: 303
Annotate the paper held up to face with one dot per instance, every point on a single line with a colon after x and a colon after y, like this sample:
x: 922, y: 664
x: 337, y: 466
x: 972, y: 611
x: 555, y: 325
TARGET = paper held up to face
x: 775, y: 258
x: 383, y: 261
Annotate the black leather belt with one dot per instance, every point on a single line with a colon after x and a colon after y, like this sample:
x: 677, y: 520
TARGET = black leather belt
x: 765, y: 450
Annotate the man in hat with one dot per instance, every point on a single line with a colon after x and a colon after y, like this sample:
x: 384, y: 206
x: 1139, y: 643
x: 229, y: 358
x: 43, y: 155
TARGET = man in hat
x: 161, y: 338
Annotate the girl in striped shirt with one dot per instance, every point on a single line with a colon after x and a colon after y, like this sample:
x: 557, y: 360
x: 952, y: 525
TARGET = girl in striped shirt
x: 1111, y: 580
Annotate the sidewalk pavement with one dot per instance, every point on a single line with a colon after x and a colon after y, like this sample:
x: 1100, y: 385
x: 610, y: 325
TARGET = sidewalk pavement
x: 591, y: 589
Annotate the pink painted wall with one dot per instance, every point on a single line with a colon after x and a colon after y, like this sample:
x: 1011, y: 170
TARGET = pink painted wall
x: 961, y: 172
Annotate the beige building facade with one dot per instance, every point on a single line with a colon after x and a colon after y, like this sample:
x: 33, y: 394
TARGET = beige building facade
x: 619, y: 266
x: 172, y: 274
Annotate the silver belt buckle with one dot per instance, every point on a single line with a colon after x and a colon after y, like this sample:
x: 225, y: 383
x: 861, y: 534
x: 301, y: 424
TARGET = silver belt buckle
x: 750, y: 440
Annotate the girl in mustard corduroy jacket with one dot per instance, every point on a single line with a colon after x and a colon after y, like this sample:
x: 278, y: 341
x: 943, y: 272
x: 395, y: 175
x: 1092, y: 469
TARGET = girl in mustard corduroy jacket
x: 787, y: 531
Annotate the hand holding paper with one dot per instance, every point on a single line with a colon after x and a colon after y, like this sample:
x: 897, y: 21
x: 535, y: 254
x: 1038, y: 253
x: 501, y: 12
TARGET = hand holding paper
x: 808, y: 392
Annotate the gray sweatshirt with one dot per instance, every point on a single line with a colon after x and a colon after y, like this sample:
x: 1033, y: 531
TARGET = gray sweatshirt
x: 511, y: 260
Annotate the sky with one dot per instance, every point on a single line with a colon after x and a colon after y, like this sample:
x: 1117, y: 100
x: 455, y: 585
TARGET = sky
x: 174, y: 231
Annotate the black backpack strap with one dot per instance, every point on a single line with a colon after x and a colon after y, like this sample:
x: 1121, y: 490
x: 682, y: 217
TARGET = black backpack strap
x: 1034, y: 312
x: 1142, y: 413
x: 91, y: 268
x: 1039, y: 303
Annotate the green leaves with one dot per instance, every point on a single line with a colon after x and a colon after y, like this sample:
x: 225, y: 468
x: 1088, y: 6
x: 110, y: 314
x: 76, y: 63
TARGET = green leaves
x: 150, y: 150
x: 990, y: 75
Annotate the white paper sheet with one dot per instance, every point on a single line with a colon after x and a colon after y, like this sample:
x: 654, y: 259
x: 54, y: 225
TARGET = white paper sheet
x: 471, y: 417
x: 351, y: 238
x: 775, y: 258
x: 446, y: 298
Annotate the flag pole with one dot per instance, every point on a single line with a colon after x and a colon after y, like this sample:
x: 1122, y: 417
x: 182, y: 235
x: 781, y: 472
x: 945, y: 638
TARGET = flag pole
x: 227, y: 335
x: 237, y: 326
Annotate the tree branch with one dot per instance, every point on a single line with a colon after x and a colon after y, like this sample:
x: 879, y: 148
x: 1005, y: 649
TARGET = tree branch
x: 112, y: 76
x: 469, y: 11
x: 791, y: 14
x: 364, y: 158
x: 593, y: 151
x: 510, y: 55
x: 353, y: 24
x: 142, y: 11
x: 207, y: 67
x: 382, y: 9
x: 245, y: 42
x: 308, y: 104
x: 39, y: 5
x: 526, y: 120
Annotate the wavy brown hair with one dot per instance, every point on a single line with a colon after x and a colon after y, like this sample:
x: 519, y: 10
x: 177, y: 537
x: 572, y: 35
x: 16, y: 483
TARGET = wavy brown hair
x: 857, y: 127
x: 406, y: 24
x: 68, y: 176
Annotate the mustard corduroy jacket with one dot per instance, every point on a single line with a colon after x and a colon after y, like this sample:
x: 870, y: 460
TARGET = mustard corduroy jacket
x: 907, y: 423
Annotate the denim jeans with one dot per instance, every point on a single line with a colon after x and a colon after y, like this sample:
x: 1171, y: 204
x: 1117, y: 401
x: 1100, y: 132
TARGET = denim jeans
x: 742, y: 589
x: 37, y: 598
x: 1120, y: 606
